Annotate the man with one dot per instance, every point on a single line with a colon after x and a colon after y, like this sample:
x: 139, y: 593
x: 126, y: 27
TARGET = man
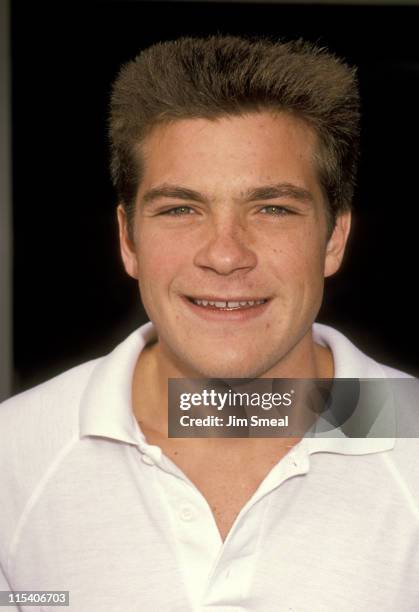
x: 234, y: 163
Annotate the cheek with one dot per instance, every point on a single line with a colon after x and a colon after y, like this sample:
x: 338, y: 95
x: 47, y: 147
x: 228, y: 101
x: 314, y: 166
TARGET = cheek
x: 160, y: 259
x: 312, y: 253
x: 298, y: 261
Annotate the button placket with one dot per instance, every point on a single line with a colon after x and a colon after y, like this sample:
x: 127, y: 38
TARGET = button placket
x: 196, y: 539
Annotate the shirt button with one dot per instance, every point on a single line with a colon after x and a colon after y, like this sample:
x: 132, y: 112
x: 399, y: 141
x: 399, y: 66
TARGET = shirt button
x: 187, y: 513
x: 147, y: 460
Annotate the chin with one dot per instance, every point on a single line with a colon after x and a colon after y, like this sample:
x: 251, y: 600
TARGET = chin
x: 229, y: 370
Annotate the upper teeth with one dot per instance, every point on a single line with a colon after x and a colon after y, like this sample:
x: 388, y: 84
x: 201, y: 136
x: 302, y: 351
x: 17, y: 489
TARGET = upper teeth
x: 227, y: 304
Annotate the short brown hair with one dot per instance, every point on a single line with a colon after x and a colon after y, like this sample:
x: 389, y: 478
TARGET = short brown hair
x: 229, y: 75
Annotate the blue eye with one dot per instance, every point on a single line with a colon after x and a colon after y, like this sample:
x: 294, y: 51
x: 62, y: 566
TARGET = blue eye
x: 274, y: 210
x: 178, y: 211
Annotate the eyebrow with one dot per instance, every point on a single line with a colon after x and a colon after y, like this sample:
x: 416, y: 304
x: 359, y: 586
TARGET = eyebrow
x: 280, y: 190
x: 173, y: 192
x: 255, y: 194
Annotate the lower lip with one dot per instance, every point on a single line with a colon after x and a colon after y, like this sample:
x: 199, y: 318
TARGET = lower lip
x: 209, y: 313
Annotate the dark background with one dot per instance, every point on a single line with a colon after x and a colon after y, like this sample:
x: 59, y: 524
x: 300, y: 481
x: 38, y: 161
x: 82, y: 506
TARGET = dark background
x: 72, y: 299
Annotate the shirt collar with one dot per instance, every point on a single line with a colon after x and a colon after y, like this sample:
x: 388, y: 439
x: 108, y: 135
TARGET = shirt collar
x: 350, y: 362
x: 105, y: 408
x: 106, y: 405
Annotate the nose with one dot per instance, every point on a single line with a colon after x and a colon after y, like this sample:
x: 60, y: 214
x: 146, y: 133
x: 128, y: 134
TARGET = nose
x: 226, y: 249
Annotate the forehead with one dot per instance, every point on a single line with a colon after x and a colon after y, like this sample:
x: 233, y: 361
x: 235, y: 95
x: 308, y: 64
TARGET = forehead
x: 231, y: 153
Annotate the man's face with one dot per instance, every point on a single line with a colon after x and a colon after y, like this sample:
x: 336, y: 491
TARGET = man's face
x: 230, y: 212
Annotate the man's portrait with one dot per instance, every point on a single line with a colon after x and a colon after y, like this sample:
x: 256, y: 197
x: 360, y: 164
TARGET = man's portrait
x: 234, y: 160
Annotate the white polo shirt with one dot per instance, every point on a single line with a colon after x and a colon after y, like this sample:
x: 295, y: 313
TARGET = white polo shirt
x: 89, y: 507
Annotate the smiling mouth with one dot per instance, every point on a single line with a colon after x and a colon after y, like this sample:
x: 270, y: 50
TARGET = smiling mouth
x: 218, y: 304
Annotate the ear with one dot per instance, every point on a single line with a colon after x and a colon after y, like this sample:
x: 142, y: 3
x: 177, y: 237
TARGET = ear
x: 126, y: 245
x: 336, y: 245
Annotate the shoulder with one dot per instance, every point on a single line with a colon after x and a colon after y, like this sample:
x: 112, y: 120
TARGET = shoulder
x: 394, y: 373
x: 403, y: 468
x: 50, y: 412
x: 53, y: 400
x: 402, y: 460
x: 37, y: 422
x: 349, y: 360
x: 36, y: 427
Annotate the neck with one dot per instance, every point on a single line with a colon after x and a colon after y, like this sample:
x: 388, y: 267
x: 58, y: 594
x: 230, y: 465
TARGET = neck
x: 155, y: 366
